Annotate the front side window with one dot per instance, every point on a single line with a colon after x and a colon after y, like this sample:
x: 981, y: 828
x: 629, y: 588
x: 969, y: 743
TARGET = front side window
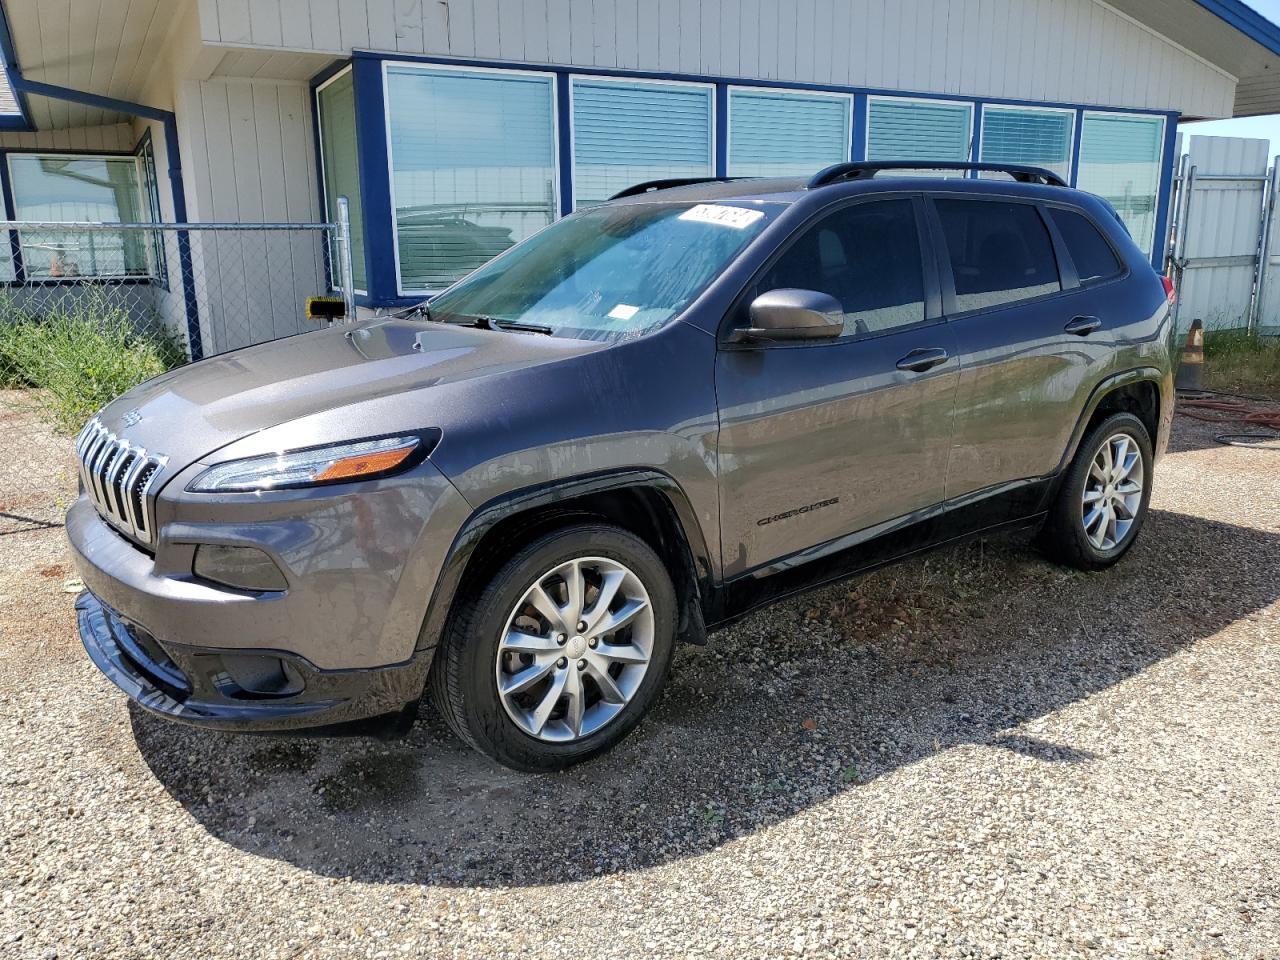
x: 80, y: 188
x: 609, y: 273
x: 867, y: 256
x: 472, y: 164
x: 1000, y: 252
x: 1092, y: 255
x: 628, y: 132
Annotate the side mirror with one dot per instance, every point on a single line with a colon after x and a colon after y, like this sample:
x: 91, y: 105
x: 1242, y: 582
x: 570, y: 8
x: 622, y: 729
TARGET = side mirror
x: 792, y: 315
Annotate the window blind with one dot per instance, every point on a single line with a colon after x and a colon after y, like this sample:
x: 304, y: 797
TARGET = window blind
x: 914, y: 130
x: 782, y: 134
x: 473, y: 167
x: 1120, y: 161
x: 1024, y: 135
x: 626, y: 133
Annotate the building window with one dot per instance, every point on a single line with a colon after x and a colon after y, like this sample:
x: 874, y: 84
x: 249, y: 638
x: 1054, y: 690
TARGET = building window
x: 779, y: 133
x: 1120, y: 161
x: 901, y: 129
x: 146, y: 155
x: 627, y: 132
x: 336, y: 111
x: 473, y: 167
x: 81, y: 188
x: 1030, y: 135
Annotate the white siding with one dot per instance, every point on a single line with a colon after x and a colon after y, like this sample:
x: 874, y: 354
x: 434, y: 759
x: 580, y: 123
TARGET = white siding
x: 112, y: 138
x: 1074, y: 51
x: 249, y: 157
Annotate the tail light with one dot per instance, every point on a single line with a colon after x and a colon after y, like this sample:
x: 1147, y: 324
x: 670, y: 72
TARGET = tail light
x: 1168, y: 289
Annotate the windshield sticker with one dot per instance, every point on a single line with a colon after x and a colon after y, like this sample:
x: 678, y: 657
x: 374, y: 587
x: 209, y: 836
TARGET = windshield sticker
x: 624, y: 311
x: 736, y: 217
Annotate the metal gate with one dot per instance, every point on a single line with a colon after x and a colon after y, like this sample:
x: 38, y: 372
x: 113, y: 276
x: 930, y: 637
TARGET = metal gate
x: 1221, y: 236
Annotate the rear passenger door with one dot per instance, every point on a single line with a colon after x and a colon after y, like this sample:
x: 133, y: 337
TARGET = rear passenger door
x: 1031, y: 339
x: 819, y: 439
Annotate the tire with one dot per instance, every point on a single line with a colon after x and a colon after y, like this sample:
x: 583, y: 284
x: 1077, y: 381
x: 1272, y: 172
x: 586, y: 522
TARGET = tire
x: 500, y: 634
x: 1065, y: 537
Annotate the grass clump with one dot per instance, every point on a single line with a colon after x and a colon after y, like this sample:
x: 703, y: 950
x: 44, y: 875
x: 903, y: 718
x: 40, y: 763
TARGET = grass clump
x: 79, y: 356
x: 1240, y: 362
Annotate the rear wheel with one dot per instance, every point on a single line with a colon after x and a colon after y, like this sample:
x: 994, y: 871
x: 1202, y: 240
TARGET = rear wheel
x: 1103, y: 500
x: 562, y: 653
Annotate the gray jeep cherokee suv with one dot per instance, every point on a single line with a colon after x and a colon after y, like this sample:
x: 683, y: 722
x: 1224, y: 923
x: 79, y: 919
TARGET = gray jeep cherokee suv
x: 648, y: 419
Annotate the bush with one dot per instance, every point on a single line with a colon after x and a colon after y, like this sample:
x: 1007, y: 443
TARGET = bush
x: 79, y: 356
x: 1241, y: 362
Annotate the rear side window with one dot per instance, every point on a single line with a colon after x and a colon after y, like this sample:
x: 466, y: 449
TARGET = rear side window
x: 1092, y: 255
x: 867, y: 256
x: 1000, y: 252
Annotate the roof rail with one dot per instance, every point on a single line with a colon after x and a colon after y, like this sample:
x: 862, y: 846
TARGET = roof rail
x: 866, y: 169
x: 650, y: 185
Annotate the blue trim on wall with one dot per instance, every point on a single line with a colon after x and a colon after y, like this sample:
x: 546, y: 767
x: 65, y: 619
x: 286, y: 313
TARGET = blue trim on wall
x: 1248, y: 21
x: 858, y: 149
x: 1160, y: 241
x: 720, y: 148
x: 1076, y: 130
x: 564, y: 142
x: 375, y: 181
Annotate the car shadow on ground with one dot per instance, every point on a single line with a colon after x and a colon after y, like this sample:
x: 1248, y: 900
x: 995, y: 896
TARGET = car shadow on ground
x: 796, y: 705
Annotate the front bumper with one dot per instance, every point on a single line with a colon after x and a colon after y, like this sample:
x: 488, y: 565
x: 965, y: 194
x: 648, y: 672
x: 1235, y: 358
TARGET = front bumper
x: 205, y: 686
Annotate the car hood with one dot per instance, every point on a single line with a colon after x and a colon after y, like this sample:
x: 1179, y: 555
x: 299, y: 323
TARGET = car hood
x: 190, y: 412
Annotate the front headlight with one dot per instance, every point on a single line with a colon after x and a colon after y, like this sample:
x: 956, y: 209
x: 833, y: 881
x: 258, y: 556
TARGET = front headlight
x: 337, y: 463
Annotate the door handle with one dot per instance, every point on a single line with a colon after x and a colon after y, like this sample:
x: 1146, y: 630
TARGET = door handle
x: 921, y: 360
x: 1083, y: 326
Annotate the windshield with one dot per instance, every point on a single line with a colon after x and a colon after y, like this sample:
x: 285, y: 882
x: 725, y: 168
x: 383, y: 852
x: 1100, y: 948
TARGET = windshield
x: 608, y: 273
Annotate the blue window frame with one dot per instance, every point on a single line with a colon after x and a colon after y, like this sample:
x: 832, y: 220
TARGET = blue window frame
x: 473, y: 167
x: 786, y: 133
x: 625, y: 132
x: 904, y: 129
x: 1039, y: 136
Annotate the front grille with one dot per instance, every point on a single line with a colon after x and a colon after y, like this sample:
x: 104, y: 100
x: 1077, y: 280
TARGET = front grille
x: 119, y: 478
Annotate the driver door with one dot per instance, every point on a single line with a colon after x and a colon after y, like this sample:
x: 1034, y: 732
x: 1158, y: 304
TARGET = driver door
x: 820, y: 439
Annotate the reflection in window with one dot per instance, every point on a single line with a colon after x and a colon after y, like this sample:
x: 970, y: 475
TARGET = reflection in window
x: 473, y: 167
x: 1120, y: 161
x: 1000, y: 252
x: 78, y: 188
x: 867, y: 256
x: 627, y: 132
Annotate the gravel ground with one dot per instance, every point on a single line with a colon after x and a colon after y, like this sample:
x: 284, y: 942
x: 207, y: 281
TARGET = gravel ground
x: 977, y: 754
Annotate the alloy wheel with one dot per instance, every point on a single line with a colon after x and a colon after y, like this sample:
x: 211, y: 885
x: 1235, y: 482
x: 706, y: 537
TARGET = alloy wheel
x: 575, y: 649
x: 1113, y: 492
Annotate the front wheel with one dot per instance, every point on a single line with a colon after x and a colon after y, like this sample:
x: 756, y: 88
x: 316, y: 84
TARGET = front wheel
x: 1103, y: 500
x: 562, y: 652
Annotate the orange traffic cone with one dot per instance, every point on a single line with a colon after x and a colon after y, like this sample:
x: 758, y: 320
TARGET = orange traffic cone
x: 1191, y: 368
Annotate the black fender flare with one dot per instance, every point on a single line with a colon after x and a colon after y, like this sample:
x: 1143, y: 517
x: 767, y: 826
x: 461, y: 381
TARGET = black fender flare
x: 526, y: 499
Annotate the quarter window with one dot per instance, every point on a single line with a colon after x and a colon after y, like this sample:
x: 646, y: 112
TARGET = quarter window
x: 867, y: 256
x: 1092, y: 255
x: 1000, y: 252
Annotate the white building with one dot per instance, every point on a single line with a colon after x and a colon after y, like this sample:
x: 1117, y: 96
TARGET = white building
x: 458, y: 126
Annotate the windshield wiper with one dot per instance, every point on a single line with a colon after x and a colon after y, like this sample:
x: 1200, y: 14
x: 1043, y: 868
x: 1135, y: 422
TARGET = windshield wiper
x: 493, y: 323
x: 418, y: 310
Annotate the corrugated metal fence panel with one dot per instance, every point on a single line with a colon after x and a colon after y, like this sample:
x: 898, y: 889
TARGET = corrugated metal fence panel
x: 1222, y: 228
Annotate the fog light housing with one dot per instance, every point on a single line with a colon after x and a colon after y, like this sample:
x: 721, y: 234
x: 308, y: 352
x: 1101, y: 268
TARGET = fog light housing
x: 241, y: 568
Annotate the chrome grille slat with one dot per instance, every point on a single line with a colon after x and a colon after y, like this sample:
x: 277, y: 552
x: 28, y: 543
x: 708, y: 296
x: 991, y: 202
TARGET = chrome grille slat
x: 119, y: 477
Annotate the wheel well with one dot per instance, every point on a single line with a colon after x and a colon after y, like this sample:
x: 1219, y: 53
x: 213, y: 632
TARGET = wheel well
x: 643, y: 511
x: 1141, y: 398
